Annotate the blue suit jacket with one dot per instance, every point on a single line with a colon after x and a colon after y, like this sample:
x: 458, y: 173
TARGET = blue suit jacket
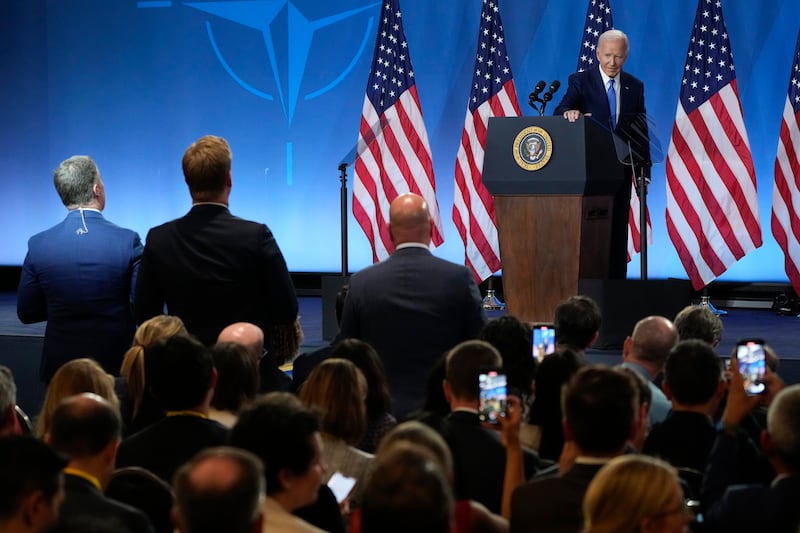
x: 81, y: 283
x: 412, y: 308
x: 587, y: 94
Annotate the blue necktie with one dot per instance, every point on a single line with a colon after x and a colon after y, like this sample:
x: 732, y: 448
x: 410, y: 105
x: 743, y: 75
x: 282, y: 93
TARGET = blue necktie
x: 612, y: 103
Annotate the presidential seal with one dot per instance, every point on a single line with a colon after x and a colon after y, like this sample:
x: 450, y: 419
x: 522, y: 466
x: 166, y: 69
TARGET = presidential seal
x: 532, y: 148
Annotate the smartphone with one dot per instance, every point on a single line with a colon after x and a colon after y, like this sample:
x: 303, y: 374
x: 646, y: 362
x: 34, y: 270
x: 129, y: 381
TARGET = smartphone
x: 752, y: 364
x: 544, y: 340
x: 341, y: 486
x: 492, y: 396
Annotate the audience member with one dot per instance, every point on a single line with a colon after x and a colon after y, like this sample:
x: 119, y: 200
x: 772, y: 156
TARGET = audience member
x: 553, y: 373
x: 699, y: 322
x: 693, y: 381
x: 271, y: 378
x: 601, y: 408
x: 479, y: 455
x: 337, y: 389
x: 79, y: 276
x: 220, y: 489
x: 434, y: 404
x: 8, y: 403
x: 577, y: 321
x: 143, y: 490
x: 32, y: 487
x: 512, y: 338
x: 180, y: 373
x: 755, y: 507
x: 645, y: 351
x: 74, y: 377
x: 137, y: 406
x: 468, y: 516
x: 636, y: 443
x: 209, y: 267
x: 379, y: 401
x: 636, y: 494
x: 413, y: 306
x: 305, y: 363
x: 237, y: 381
x: 407, y: 491
x: 285, y: 435
x: 87, y: 429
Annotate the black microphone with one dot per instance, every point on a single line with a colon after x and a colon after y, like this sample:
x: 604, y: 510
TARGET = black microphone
x: 539, y: 88
x: 553, y: 88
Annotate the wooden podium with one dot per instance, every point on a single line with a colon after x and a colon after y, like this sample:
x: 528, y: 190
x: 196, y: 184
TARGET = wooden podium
x: 554, y: 222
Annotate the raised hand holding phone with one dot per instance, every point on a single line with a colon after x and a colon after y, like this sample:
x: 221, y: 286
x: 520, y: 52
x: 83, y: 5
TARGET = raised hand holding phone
x: 739, y: 403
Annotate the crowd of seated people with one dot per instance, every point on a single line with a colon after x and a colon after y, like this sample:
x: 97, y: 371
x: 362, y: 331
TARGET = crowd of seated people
x: 599, y: 474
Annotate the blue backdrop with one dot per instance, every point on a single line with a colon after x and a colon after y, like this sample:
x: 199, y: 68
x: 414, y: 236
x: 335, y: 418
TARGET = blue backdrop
x: 133, y: 83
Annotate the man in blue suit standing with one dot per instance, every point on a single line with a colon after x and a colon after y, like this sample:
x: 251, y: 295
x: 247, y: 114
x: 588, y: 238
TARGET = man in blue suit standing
x: 79, y: 276
x: 614, y: 99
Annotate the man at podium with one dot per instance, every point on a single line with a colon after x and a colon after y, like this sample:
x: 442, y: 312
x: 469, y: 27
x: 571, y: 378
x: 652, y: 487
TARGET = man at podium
x: 605, y: 94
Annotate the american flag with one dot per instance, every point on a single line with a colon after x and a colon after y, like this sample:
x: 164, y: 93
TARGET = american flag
x: 394, y: 156
x: 786, y: 194
x: 712, y: 207
x: 492, y: 95
x: 598, y: 20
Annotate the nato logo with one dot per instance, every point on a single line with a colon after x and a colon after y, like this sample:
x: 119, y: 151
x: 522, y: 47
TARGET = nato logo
x: 262, y: 16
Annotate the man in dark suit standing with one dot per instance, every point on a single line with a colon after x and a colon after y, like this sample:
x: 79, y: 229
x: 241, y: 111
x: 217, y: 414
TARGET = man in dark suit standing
x: 86, y: 428
x: 601, y: 407
x: 412, y: 307
x: 79, y: 276
x: 210, y: 267
x: 614, y: 99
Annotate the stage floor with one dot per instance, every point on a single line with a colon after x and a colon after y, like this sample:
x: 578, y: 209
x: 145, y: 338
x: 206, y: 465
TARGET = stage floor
x: 20, y: 344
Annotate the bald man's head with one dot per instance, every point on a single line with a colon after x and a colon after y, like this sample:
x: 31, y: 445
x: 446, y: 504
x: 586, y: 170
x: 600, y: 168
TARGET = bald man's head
x: 409, y: 220
x: 248, y: 335
x: 83, y: 426
x: 652, y: 339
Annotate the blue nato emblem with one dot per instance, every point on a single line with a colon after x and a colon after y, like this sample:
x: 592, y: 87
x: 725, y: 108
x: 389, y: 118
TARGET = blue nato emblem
x: 260, y: 15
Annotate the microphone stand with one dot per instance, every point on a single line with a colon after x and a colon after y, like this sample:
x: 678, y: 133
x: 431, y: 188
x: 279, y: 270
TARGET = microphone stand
x: 343, y: 214
x: 641, y: 182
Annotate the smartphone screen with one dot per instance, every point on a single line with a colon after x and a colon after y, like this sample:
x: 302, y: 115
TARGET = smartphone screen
x: 750, y: 353
x: 544, y: 340
x: 492, y: 398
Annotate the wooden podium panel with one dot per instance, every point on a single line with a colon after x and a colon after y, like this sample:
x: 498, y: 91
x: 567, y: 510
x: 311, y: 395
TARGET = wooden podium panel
x: 547, y: 243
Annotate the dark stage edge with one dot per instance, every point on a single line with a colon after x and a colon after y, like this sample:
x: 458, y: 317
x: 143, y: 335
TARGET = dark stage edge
x: 20, y: 344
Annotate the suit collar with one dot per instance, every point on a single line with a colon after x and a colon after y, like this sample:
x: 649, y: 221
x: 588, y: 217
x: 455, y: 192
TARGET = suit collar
x: 78, y: 483
x: 464, y: 417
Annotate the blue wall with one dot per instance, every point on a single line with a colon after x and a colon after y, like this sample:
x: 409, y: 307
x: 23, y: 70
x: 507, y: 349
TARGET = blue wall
x: 133, y: 83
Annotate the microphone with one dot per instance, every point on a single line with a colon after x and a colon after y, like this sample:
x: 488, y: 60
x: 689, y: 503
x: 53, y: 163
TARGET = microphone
x: 534, y: 96
x: 536, y: 90
x: 342, y: 167
x: 553, y: 88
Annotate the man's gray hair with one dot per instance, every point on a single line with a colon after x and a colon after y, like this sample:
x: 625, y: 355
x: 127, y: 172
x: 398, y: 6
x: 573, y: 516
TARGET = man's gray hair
x: 8, y: 390
x: 74, y: 180
x: 614, y: 35
x: 783, y: 425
